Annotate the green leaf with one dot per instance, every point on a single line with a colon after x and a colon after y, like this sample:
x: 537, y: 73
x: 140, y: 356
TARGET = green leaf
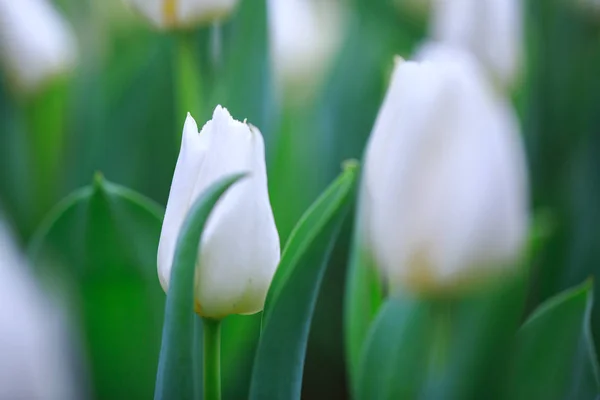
x: 246, y: 78
x: 364, y: 296
x: 229, y: 64
x: 176, y: 370
x: 395, y: 337
x: 293, y: 293
x: 190, y: 91
x: 555, y: 357
x: 441, y: 347
x: 97, y: 251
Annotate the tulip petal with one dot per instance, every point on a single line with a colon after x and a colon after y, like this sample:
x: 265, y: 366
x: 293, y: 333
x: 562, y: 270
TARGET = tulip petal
x: 444, y: 194
x: 191, y: 156
x: 490, y: 29
x: 153, y: 10
x: 240, y: 247
x: 194, y: 11
x: 36, y: 42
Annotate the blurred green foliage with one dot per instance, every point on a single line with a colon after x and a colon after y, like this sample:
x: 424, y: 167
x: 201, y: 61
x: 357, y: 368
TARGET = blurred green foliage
x: 290, y: 304
x: 562, y: 131
x: 97, y: 252
x: 554, y: 346
x: 122, y: 112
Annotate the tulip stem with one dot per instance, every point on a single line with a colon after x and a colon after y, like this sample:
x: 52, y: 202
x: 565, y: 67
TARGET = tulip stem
x: 188, y: 85
x: 212, y: 359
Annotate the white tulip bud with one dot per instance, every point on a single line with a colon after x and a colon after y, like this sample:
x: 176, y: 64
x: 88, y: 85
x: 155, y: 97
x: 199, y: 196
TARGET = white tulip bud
x: 36, y: 43
x: 490, y: 29
x: 444, y: 194
x: 168, y: 14
x: 304, y: 36
x: 239, y: 250
x: 33, y: 342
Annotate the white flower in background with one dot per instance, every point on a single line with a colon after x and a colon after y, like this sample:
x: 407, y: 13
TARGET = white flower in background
x: 304, y: 35
x: 34, y: 359
x: 36, y: 43
x: 166, y: 14
x: 239, y: 250
x: 490, y: 29
x: 444, y: 195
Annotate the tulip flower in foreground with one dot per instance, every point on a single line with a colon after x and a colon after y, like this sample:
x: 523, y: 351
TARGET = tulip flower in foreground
x: 444, y: 196
x: 239, y: 250
x: 167, y: 14
x: 36, y: 43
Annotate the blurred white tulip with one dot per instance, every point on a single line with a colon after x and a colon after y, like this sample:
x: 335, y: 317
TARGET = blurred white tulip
x: 239, y: 251
x: 36, y: 43
x: 444, y: 197
x: 167, y: 14
x: 490, y: 29
x: 34, y: 361
x: 304, y: 35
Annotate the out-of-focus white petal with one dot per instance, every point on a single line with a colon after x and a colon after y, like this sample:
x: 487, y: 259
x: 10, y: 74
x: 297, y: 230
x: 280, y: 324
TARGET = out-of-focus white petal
x: 490, y: 29
x: 34, y: 363
x: 444, y: 197
x: 191, y: 12
x: 304, y: 35
x: 36, y: 43
x: 191, y: 156
x: 152, y: 10
x: 167, y: 14
x: 239, y: 250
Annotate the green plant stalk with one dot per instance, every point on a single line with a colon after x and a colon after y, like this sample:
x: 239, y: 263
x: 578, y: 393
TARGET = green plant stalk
x: 188, y: 79
x: 45, y: 122
x: 212, y: 359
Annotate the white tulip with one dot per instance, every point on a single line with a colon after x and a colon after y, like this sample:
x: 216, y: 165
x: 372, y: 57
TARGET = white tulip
x: 167, y: 14
x: 304, y: 36
x: 490, y: 29
x: 36, y: 43
x: 444, y: 194
x: 239, y: 250
x: 34, y: 362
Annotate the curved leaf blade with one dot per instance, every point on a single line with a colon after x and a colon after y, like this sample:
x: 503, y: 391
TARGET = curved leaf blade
x: 290, y: 303
x: 96, y: 251
x: 555, y: 356
x: 399, y: 322
x: 300, y: 238
x: 176, y: 368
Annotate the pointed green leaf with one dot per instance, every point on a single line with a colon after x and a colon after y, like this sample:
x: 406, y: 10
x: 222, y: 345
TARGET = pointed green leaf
x: 555, y: 356
x: 176, y: 378
x: 97, y: 250
x: 396, y: 335
x: 292, y: 296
